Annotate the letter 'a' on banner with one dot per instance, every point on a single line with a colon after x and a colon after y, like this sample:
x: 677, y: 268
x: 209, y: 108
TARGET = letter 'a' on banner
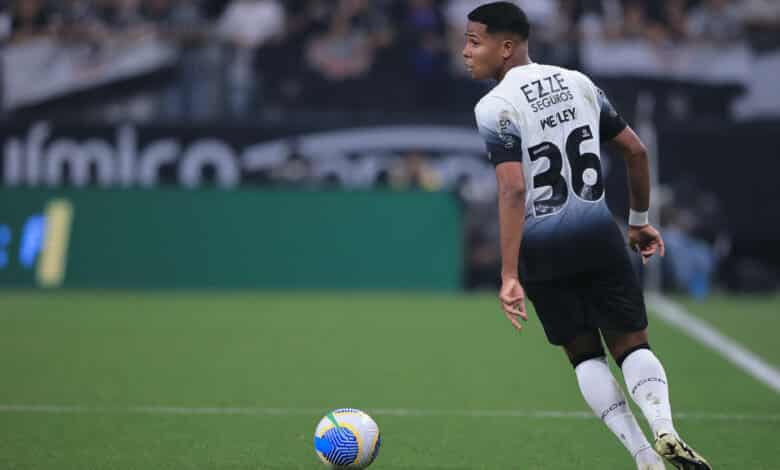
x: 54, y: 255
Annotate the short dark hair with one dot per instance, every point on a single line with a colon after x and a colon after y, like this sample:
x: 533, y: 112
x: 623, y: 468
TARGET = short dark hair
x: 502, y: 17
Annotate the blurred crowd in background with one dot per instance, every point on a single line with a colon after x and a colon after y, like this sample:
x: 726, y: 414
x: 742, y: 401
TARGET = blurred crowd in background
x: 242, y: 60
x: 241, y: 55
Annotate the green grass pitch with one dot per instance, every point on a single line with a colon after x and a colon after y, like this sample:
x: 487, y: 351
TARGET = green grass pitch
x: 239, y: 380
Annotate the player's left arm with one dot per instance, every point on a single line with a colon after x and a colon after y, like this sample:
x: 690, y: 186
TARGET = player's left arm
x: 504, y: 146
x: 642, y: 236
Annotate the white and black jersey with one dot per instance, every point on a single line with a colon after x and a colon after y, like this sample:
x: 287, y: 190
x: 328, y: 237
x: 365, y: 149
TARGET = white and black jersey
x: 553, y: 120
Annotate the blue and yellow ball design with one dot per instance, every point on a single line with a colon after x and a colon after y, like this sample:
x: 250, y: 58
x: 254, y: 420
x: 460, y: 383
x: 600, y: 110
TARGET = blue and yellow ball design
x: 347, y: 438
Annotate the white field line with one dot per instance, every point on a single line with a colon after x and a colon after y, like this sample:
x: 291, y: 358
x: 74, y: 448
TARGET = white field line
x: 707, y: 335
x: 394, y: 412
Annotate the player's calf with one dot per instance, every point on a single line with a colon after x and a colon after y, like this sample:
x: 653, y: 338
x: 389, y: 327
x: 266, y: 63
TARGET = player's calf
x: 607, y: 401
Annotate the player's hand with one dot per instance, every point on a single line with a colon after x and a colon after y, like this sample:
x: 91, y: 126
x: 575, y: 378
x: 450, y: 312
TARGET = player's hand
x: 512, y: 298
x: 645, y: 240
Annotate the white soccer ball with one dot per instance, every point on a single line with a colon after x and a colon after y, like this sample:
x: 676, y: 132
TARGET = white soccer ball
x: 347, y: 439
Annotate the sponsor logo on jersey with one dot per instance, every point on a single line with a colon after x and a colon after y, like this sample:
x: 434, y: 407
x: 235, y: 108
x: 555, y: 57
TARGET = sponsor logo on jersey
x: 504, y: 124
x: 546, y: 92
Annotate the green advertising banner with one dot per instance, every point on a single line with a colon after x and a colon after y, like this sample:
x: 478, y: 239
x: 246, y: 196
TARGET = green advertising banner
x: 230, y: 239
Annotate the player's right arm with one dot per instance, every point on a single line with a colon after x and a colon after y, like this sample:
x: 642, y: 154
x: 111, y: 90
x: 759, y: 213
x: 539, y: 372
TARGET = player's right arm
x: 642, y: 236
x: 511, y: 217
x: 504, y: 147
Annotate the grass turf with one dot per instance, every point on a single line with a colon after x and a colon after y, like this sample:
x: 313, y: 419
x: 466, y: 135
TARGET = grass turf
x: 307, y: 353
x: 754, y: 321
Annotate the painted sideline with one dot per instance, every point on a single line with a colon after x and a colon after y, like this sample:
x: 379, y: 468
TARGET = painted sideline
x: 698, y: 329
x: 396, y: 412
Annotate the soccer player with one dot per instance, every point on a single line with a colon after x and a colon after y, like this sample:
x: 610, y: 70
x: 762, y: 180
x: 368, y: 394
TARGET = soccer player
x: 543, y: 127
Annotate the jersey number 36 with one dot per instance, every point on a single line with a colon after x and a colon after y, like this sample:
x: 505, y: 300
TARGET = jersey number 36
x: 587, y: 182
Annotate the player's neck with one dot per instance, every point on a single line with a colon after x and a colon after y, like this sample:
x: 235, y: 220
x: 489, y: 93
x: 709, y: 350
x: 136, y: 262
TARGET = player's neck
x: 512, y: 63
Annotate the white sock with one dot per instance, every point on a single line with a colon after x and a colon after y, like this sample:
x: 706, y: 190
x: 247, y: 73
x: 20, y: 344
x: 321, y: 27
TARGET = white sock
x: 648, y: 459
x: 602, y: 392
x: 646, y: 382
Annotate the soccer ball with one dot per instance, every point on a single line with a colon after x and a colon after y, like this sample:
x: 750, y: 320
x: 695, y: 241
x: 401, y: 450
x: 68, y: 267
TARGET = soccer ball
x: 347, y: 439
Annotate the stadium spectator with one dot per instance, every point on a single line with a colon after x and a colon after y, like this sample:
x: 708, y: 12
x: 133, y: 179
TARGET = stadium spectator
x: 240, y: 22
x: 5, y: 33
x: 126, y: 15
x: 296, y: 170
x: 635, y: 25
x: 422, y: 39
x: 80, y: 20
x: 762, y: 21
x: 717, y: 21
x: 341, y: 52
x: 675, y: 20
x: 30, y: 19
x: 239, y: 26
x: 691, y: 261
x: 196, y: 89
x: 763, y: 11
x: 413, y: 171
x: 5, y: 20
x: 557, y: 38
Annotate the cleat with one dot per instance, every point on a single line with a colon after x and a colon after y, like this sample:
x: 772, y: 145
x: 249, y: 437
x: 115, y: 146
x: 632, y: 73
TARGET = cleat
x: 679, y: 454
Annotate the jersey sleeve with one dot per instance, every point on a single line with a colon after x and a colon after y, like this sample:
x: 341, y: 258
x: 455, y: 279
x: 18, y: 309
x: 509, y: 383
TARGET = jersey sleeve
x: 610, y: 123
x: 500, y: 134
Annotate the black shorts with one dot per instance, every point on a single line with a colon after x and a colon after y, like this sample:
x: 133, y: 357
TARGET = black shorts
x: 608, y: 298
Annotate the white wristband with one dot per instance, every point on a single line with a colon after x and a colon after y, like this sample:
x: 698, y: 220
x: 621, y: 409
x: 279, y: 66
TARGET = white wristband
x: 637, y: 219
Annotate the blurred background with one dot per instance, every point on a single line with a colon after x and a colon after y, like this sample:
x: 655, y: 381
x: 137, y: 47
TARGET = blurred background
x: 111, y: 103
